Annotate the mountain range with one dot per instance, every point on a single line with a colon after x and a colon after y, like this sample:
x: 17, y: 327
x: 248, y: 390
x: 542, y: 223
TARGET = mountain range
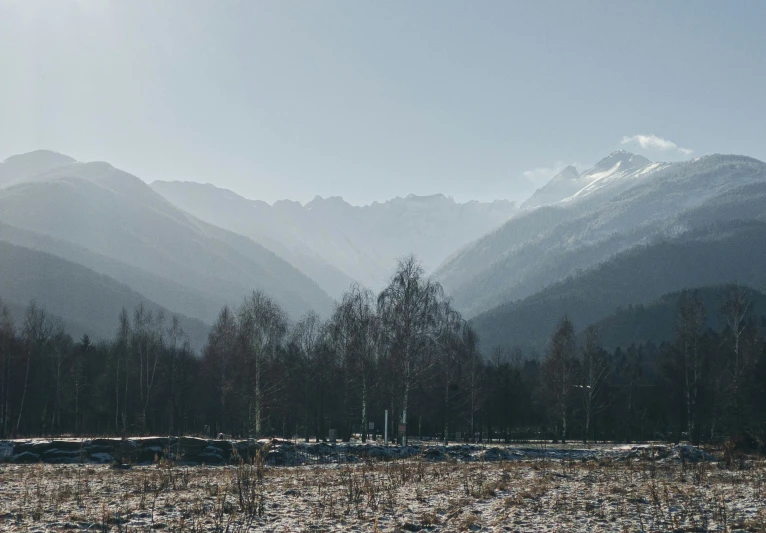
x: 86, y: 239
x: 114, y: 224
x: 202, y: 247
x: 336, y: 243
x: 626, y: 202
x: 634, y: 231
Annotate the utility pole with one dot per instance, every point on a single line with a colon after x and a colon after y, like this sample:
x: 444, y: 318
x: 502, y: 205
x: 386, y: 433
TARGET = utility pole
x: 385, y: 430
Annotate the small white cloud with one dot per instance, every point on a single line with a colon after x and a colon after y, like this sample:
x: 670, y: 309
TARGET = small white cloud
x: 653, y: 142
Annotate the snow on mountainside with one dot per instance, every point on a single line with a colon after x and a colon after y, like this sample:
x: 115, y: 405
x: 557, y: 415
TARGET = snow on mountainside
x: 618, y: 166
x: 628, y: 201
x: 334, y: 242
x: 562, y: 185
x: 568, y: 184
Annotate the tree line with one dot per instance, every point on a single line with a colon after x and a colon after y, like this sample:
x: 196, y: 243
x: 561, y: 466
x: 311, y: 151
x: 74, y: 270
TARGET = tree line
x: 405, y: 350
x: 703, y: 386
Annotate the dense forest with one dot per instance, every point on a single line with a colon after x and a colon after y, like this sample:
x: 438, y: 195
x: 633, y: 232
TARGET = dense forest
x: 405, y: 350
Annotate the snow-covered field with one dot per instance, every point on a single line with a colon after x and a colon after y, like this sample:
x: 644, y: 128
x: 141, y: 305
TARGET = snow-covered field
x: 614, y: 492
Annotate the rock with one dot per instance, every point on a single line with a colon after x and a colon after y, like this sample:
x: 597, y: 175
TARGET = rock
x: 59, y: 455
x: 25, y: 458
x: 494, y: 454
x: 275, y: 457
x: 434, y: 454
x: 101, y: 457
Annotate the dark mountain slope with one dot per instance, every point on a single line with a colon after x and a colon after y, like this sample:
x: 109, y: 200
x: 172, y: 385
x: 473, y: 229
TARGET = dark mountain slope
x: 88, y: 302
x: 178, y: 298
x: 734, y: 252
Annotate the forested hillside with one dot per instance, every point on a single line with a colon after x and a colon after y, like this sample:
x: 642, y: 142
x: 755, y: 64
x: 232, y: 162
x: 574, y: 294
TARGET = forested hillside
x: 655, y: 323
x: 734, y: 252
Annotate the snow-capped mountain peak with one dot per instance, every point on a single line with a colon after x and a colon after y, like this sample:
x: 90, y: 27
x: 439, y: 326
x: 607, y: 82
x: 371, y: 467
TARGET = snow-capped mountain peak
x: 569, y: 173
x: 562, y: 185
x: 568, y: 185
x: 621, y: 160
x: 615, y: 168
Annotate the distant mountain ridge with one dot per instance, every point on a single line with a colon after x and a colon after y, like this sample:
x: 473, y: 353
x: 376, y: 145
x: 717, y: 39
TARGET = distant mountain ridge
x: 334, y: 242
x: 187, y: 300
x: 106, y: 219
x: 22, y: 167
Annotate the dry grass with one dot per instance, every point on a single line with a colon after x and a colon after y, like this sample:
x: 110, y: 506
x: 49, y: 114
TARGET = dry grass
x: 410, y: 495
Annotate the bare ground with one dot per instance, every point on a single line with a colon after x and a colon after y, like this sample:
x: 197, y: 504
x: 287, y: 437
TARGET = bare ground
x: 408, y: 495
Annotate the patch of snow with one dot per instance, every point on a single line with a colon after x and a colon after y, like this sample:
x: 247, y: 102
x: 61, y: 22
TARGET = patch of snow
x: 102, y: 457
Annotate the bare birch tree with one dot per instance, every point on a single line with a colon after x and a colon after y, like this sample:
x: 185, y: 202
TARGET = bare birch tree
x: 149, y: 344
x: 448, y: 358
x: 357, y: 326
x: 263, y: 325
x: 474, y: 364
x: 408, y: 308
x: 220, y: 360
x: 307, y: 336
x: 741, y: 341
x: 557, y: 372
x: 37, y: 331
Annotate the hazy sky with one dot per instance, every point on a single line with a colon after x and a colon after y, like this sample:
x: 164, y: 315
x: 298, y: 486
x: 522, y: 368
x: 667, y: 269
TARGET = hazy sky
x: 369, y: 100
